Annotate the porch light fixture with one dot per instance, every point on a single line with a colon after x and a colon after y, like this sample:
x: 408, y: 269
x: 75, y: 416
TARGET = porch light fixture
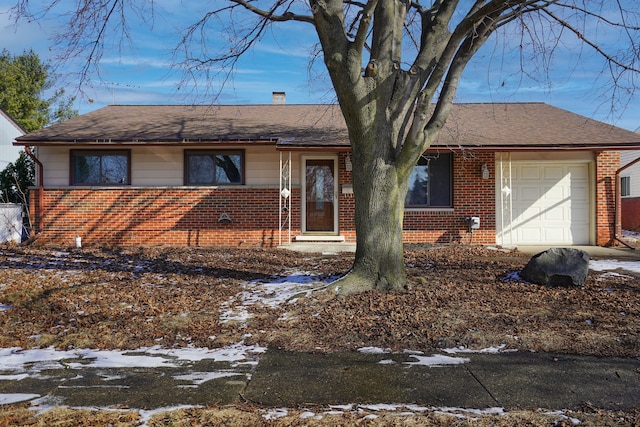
x: 485, y: 171
x: 347, y: 164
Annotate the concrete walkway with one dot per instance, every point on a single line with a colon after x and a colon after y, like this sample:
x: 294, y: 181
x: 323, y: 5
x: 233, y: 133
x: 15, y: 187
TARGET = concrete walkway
x: 284, y: 379
x: 508, y: 380
x: 621, y: 253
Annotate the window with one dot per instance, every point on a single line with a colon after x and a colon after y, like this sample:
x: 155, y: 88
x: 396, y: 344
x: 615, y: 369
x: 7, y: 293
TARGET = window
x: 625, y: 186
x: 214, y: 167
x: 100, y: 167
x: 430, y: 182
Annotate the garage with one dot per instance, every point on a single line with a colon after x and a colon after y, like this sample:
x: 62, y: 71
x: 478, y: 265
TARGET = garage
x: 549, y: 204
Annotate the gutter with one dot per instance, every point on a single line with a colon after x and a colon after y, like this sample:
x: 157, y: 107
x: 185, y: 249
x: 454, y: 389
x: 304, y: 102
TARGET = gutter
x: 39, y: 207
x: 616, y: 237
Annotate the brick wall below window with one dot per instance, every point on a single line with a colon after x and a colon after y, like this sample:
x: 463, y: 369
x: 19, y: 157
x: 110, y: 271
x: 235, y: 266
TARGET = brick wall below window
x: 174, y: 216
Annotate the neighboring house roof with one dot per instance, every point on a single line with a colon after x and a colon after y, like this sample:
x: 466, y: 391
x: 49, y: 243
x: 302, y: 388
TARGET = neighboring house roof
x: 12, y: 121
x: 495, y: 126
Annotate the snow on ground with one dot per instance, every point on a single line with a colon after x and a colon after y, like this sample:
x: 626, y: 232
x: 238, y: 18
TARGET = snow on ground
x: 436, y: 360
x: 7, y: 399
x: 17, y: 364
x: 271, y: 294
x: 613, y: 264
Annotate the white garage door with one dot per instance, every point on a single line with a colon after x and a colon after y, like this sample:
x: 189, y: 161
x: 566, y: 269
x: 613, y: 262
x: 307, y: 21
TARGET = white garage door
x: 550, y: 204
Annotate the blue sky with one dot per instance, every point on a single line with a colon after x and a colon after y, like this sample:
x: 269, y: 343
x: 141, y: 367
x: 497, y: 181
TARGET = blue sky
x: 142, y: 73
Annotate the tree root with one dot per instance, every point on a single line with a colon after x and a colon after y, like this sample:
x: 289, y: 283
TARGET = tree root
x: 350, y: 284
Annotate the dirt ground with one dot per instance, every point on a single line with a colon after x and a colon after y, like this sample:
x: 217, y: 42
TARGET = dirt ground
x: 126, y: 298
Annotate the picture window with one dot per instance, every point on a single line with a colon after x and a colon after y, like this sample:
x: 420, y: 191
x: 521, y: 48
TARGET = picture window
x: 214, y: 167
x: 100, y: 167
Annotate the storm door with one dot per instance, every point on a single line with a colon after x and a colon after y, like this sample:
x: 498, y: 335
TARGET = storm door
x: 320, y: 196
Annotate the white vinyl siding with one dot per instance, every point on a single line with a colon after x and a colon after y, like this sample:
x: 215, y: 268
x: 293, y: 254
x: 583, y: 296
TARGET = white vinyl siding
x: 55, y: 161
x: 633, y: 172
x: 157, y: 166
x: 262, y: 166
x: 8, y: 133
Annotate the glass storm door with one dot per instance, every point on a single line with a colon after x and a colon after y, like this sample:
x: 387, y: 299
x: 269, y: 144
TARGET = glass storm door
x: 320, y: 206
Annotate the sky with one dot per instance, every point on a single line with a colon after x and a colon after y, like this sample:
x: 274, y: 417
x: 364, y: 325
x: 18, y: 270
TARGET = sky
x: 141, y: 72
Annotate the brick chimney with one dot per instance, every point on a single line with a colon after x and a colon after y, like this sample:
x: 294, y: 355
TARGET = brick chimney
x: 278, y: 98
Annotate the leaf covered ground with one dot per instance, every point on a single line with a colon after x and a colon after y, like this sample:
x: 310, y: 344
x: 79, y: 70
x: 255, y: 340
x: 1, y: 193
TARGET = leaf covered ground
x: 124, y: 298
x: 127, y: 298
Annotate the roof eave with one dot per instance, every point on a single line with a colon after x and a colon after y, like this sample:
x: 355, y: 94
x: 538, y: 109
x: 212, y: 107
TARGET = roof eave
x: 136, y: 142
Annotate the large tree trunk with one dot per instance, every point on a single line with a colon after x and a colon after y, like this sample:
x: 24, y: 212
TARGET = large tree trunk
x: 380, y: 187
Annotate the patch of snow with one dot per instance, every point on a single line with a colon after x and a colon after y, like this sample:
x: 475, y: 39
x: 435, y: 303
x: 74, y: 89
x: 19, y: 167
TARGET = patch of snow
x: 347, y: 407
x: 17, y: 377
x: 488, y: 350
x: 386, y: 362
x: 308, y: 414
x: 373, y: 350
x: 631, y: 234
x: 380, y: 407
x: 271, y: 294
x: 487, y: 411
x: 436, y: 360
x: 36, y: 360
x: 275, y: 413
x: 198, y: 378
x: 146, y: 415
x: 613, y: 264
x: 612, y: 274
x: 513, y: 276
x: 4, y: 307
x: 8, y: 398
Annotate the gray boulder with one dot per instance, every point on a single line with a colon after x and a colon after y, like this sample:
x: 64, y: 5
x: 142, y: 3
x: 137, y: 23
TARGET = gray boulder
x: 557, y: 267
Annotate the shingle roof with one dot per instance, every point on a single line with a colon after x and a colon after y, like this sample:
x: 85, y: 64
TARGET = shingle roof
x: 496, y: 126
x: 189, y: 124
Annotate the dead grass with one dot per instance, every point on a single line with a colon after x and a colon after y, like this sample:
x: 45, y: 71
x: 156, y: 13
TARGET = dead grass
x: 112, y: 298
x: 244, y: 415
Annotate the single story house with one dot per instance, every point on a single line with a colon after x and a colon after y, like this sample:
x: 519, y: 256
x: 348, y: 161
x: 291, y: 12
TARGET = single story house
x: 263, y: 175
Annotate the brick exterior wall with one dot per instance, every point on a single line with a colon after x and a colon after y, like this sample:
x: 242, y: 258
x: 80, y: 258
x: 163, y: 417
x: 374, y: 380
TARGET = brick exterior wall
x: 607, y: 162
x: 158, y: 216
x: 190, y: 215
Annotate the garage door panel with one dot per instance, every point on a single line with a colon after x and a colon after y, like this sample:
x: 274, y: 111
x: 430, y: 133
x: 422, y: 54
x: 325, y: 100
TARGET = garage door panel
x: 554, y: 194
x: 557, y: 214
x: 530, y: 172
x: 550, y: 204
x: 552, y: 172
x: 530, y: 194
x: 578, y: 173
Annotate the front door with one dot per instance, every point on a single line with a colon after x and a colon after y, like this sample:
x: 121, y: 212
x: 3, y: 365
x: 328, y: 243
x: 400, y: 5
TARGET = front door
x: 320, y: 195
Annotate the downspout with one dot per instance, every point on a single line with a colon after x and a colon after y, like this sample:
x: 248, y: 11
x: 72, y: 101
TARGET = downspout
x: 39, y: 207
x: 616, y: 204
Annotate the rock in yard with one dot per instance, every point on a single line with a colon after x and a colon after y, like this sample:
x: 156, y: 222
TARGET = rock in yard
x: 557, y: 267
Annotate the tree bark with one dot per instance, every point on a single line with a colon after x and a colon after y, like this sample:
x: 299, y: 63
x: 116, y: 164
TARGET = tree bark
x: 380, y: 187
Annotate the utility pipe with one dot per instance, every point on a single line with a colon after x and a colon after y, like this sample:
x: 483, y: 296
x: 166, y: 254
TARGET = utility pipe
x: 617, y: 208
x: 39, y: 207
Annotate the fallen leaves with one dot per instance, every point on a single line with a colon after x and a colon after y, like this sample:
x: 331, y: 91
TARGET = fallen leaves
x: 126, y: 298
